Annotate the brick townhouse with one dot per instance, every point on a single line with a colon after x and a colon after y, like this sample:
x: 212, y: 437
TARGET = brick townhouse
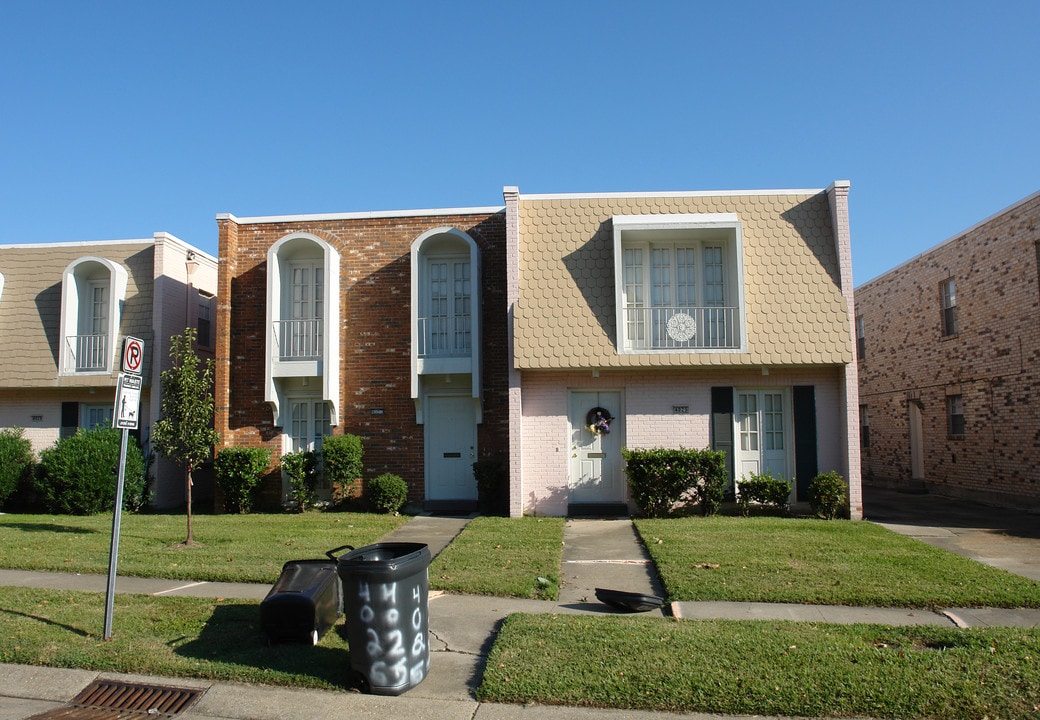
x: 390, y: 326
x: 949, y: 365
x: 65, y: 309
x: 691, y: 319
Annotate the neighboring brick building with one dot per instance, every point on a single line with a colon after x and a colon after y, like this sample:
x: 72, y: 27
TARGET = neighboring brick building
x: 692, y: 319
x: 64, y: 311
x: 390, y: 326
x: 949, y: 365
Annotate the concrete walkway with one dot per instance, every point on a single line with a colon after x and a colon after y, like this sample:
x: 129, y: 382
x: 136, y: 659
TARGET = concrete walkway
x: 597, y: 554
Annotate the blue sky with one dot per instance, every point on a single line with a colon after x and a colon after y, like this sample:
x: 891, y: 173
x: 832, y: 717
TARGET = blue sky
x: 121, y: 119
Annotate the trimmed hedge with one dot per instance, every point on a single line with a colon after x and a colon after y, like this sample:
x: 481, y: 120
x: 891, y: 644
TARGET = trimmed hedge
x: 828, y: 494
x: 665, y: 480
x: 764, y: 489
x: 16, y: 460
x: 239, y: 474
x: 77, y: 476
x: 387, y: 492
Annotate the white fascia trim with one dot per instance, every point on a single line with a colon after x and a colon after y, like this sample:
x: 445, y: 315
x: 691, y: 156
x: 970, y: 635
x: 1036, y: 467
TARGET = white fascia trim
x: 670, y: 193
x: 952, y: 238
x: 367, y: 215
x: 78, y: 243
x: 676, y: 221
x: 186, y: 246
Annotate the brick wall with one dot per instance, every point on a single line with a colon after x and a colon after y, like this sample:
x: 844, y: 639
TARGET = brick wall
x: 375, y: 326
x: 993, y: 363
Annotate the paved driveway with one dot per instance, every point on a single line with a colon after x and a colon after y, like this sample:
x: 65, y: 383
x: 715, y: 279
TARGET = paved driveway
x: 1002, y: 537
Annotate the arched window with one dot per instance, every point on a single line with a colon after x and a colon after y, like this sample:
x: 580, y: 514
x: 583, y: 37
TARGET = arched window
x: 92, y: 296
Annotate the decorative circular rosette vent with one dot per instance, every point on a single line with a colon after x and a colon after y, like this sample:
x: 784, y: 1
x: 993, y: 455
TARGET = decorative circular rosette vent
x: 681, y: 327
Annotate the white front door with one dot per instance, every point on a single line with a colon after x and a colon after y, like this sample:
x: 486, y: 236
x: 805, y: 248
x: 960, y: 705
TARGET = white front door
x: 451, y: 448
x: 595, y: 472
x: 763, y: 435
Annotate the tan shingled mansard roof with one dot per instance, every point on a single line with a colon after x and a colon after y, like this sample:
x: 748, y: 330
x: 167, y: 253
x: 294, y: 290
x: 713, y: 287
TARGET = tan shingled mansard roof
x: 565, y: 314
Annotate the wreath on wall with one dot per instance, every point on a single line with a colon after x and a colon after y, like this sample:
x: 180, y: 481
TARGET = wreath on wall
x: 597, y: 420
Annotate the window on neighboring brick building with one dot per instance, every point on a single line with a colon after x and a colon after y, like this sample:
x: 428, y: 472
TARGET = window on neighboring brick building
x: 861, y: 338
x: 864, y: 427
x: 955, y: 414
x: 205, y: 324
x: 948, y: 291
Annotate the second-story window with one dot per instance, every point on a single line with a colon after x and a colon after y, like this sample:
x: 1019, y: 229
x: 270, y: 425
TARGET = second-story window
x: 449, y: 313
x: 679, y: 282
x: 948, y: 293
x: 955, y: 415
x: 302, y: 337
x: 861, y: 338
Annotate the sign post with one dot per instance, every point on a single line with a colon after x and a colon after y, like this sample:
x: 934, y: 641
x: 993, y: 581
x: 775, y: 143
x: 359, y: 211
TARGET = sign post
x: 124, y: 416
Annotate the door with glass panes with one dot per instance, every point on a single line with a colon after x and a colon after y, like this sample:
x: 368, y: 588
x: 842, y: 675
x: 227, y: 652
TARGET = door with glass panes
x: 762, y: 424
x: 309, y: 424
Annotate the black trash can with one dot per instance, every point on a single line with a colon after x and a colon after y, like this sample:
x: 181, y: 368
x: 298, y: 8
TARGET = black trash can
x: 386, y: 590
x: 305, y: 601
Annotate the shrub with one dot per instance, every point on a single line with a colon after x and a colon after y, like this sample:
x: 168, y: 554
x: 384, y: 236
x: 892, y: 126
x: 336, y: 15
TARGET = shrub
x: 387, y: 492
x: 341, y: 457
x: 78, y: 474
x: 492, y: 486
x: 765, y: 489
x: 239, y: 473
x: 302, y: 469
x: 16, y: 461
x: 662, y: 479
x: 827, y: 495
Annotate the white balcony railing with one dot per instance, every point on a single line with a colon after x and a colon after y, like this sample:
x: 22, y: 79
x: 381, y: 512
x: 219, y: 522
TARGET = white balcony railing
x: 87, y: 353
x: 298, y: 339
x: 445, y: 336
x: 682, y: 328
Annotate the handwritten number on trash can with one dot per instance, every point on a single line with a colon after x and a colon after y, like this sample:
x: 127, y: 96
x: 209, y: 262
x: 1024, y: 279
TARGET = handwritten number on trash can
x: 386, y: 638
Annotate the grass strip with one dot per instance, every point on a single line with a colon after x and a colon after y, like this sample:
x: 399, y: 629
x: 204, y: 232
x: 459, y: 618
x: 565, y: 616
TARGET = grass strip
x: 765, y: 668
x: 505, y: 557
x: 230, y: 548
x: 764, y: 559
x: 164, y: 636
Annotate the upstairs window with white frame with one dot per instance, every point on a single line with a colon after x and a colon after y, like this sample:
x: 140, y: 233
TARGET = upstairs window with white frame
x: 948, y: 293
x: 93, y: 290
x: 861, y: 338
x: 301, y: 331
x: 680, y: 285
x: 446, y: 325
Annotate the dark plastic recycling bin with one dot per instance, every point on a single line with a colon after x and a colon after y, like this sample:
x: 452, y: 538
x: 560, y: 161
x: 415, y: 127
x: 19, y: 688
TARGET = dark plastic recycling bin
x: 386, y: 591
x: 305, y: 602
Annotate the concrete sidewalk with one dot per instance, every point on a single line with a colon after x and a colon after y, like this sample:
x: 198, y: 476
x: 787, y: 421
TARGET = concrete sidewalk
x: 597, y: 554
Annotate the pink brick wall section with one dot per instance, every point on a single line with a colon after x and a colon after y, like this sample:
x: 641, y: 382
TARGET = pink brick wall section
x: 993, y: 362
x: 648, y: 399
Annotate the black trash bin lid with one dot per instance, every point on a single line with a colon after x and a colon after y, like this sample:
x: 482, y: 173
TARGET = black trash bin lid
x: 633, y: 602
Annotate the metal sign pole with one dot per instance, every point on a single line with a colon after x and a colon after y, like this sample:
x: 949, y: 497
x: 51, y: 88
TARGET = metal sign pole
x: 113, y: 555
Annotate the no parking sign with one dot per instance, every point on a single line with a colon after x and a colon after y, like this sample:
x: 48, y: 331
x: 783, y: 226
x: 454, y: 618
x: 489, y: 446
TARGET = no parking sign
x: 133, y: 355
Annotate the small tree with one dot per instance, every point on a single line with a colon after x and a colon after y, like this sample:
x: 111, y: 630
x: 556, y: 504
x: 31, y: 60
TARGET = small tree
x: 185, y: 431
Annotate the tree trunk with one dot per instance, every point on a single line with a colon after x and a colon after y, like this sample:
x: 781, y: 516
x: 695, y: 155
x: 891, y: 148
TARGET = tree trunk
x: 191, y: 531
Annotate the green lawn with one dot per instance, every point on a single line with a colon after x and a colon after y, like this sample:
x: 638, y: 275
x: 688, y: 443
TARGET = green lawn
x: 781, y: 668
x: 230, y: 548
x: 162, y: 636
x: 769, y: 559
x: 765, y: 668
x: 504, y: 557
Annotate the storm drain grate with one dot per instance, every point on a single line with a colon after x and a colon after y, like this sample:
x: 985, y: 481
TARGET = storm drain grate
x: 116, y: 700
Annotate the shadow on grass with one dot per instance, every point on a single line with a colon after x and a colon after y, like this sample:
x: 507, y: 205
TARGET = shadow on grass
x: 46, y: 621
x: 48, y: 528
x: 232, y: 635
